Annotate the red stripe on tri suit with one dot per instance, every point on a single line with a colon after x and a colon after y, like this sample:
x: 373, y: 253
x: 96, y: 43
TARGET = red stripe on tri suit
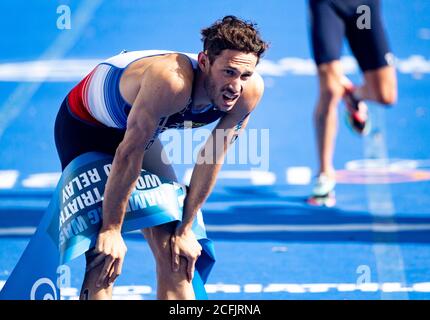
x: 77, y: 103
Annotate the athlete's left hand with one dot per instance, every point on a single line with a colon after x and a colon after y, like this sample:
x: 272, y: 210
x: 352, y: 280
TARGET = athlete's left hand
x: 184, y: 244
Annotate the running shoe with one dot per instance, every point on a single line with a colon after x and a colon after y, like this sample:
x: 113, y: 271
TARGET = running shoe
x: 323, y: 193
x: 357, y: 114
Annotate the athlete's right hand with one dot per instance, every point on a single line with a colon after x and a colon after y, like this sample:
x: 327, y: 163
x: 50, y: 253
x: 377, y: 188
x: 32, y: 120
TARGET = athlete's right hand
x: 110, y: 249
x: 183, y: 243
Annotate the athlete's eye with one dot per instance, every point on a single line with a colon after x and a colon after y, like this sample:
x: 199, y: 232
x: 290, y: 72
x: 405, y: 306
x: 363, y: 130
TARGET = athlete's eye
x: 245, y: 77
x: 229, y: 72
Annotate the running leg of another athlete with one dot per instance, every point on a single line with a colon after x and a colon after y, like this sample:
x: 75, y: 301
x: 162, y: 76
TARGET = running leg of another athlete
x: 331, y: 22
x: 380, y: 86
x: 331, y: 92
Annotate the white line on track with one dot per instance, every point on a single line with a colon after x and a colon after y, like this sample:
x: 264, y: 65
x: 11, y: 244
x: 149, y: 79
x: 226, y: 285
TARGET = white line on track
x: 389, y: 259
x: 256, y: 177
x: 70, y: 70
x: 371, y: 227
x: 8, y: 178
x: 260, y: 228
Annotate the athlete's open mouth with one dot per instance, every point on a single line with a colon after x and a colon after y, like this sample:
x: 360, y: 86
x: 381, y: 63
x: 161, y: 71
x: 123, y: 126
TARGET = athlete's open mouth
x: 228, y: 97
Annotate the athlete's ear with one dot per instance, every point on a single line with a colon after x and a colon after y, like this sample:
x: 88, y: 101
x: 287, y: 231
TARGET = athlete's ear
x: 203, y: 60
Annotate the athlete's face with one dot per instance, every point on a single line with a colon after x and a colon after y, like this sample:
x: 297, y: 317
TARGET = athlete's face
x: 227, y: 77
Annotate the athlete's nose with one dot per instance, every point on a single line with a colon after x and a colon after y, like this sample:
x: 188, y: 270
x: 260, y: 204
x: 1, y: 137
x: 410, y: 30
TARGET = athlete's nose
x: 236, y: 86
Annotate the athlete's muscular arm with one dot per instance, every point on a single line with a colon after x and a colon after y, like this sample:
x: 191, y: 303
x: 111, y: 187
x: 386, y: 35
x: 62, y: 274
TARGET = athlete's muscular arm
x: 163, y: 91
x: 209, y: 163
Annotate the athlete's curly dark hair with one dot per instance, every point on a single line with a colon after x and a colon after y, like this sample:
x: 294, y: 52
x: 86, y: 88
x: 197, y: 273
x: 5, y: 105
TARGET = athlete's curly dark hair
x: 232, y: 33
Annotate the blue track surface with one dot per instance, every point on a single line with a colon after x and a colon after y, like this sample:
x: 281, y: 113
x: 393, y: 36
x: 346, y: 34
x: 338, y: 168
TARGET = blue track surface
x: 270, y: 245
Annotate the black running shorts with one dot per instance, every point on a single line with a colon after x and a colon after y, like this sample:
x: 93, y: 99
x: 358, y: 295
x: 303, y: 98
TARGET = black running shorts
x: 332, y: 20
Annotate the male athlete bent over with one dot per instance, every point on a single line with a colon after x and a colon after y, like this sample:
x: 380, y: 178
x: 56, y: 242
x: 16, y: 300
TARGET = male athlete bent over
x: 124, y: 104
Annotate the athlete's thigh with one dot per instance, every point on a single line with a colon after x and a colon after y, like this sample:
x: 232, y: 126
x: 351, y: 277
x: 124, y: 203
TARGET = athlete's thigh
x: 383, y: 83
x: 327, y: 31
x: 386, y: 74
x: 369, y: 44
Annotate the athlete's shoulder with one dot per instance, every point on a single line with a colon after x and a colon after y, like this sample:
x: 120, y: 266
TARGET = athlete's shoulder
x: 253, y: 92
x: 173, y: 71
x: 257, y: 84
x: 173, y: 74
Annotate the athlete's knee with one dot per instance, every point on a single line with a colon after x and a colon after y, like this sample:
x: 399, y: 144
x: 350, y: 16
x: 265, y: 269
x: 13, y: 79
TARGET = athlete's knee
x: 174, y: 284
x: 164, y: 265
x: 331, y: 92
x: 330, y: 87
x: 386, y: 94
x: 329, y: 98
x: 159, y: 241
x: 173, y: 278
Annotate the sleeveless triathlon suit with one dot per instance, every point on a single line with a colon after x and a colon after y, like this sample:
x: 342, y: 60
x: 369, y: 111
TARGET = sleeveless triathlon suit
x: 93, y: 116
